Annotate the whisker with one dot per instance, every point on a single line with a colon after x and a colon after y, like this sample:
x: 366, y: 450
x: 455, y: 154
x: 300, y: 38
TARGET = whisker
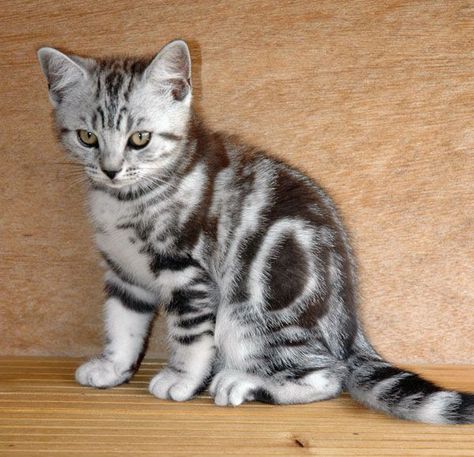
x: 153, y: 180
x: 74, y: 182
x: 72, y: 164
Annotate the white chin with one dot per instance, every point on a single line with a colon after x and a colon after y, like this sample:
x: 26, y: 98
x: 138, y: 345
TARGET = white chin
x: 122, y: 185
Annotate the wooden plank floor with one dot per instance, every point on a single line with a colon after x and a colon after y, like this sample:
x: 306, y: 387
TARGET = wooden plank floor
x: 43, y: 412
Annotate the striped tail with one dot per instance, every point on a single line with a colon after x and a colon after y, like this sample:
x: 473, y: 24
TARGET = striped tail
x: 383, y: 387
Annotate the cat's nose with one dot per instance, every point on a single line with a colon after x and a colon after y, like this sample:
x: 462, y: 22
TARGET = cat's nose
x: 111, y: 173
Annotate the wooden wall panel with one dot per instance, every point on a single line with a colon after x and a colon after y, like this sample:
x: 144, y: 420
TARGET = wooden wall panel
x: 372, y: 98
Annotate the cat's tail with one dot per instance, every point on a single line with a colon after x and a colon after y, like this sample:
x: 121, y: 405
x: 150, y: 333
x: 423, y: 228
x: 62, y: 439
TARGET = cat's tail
x: 384, y: 387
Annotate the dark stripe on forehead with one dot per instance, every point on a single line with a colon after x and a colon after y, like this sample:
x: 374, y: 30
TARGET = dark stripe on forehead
x: 94, y: 120
x: 98, y: 89
x: 113, y: 84
x: 138, y: 65
x: 102, y: 116
x: 130, y: 122
x: 122, y: 111
x: 130, y: 86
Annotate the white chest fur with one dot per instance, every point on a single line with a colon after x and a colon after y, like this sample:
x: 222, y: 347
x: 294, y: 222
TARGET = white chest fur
x: 111, y: 217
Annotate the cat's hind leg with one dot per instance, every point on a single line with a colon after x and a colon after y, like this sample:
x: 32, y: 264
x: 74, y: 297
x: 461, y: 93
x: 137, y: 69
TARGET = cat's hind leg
x: 232, y: 387
x: 273, y: 333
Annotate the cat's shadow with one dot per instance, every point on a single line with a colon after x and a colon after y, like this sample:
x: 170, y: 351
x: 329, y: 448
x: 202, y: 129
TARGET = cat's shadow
x: 196, y: 75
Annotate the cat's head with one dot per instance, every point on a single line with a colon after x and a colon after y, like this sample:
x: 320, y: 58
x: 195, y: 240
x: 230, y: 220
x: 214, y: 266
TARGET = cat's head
x: 125, y: 120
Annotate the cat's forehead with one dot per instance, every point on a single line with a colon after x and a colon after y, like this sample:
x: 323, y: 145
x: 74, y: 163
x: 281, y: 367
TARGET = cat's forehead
x: 120, y: 93
x: 114, y: 77
x: 133, y: 66
x: 112, y: 84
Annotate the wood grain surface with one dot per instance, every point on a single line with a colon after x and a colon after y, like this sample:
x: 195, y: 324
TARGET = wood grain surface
x: 43, y: 412
x: 374, y: 99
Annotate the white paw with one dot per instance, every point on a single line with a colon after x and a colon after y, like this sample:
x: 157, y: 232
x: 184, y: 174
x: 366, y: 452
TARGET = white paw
x: 172, y: 385
x: 100, y: 372
x: 231, y: 387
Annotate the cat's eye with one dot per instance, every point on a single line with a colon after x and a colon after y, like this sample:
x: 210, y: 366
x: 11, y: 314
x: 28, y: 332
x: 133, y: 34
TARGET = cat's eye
x: 139, y: 140
x: 87, y: 138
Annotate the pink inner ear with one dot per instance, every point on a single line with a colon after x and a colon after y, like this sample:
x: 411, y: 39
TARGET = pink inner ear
x: 180, y: 88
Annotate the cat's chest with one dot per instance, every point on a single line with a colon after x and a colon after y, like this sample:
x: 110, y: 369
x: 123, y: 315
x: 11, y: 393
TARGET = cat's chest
x: 115, y: 224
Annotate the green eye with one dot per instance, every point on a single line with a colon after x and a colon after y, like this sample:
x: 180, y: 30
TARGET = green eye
x: 139, y: 140
x: 87, y: 138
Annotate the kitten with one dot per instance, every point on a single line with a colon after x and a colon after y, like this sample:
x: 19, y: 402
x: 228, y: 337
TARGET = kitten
x: 246, y: 255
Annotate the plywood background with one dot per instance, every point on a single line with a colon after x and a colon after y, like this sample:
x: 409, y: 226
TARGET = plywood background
x: 375, y: 99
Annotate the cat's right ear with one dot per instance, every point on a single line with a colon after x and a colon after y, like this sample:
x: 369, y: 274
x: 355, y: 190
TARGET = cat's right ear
x: 171, y: 70
x: 61, y: 71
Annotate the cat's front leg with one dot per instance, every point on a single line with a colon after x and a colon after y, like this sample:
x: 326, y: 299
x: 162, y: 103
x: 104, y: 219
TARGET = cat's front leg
x: 128, y: 314
x: 191, y: 322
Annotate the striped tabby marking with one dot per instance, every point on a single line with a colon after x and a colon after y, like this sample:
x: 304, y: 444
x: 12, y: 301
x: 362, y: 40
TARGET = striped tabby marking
x: 246, y: 255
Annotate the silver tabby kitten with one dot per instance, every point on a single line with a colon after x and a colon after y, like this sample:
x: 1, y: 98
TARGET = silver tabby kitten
x: 246, y: 255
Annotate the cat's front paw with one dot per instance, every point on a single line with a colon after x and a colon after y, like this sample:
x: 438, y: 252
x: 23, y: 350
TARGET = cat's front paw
x: 169, y: 384
x: 102, y: 373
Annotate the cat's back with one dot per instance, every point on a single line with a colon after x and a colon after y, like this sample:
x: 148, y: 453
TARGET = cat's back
x: 260, y: 196
x: 264, y: 184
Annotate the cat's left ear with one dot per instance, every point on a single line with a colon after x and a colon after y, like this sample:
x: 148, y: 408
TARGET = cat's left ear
x: 62, y: 72
x: 171, y: 69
